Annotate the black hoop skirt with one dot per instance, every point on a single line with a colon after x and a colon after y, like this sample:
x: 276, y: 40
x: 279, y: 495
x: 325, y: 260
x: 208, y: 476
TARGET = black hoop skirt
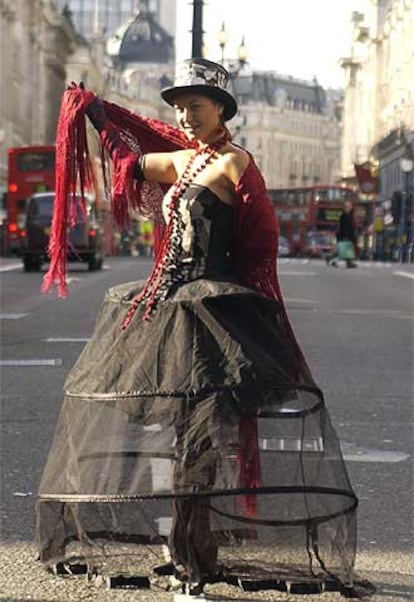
x: 150, y: 447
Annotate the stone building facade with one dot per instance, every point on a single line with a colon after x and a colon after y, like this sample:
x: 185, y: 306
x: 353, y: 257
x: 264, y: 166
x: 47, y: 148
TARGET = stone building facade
x: 292, y: 127
x: 101, y: 18
x: 379, y: 93
x: 35, y: 42
x: 379, y: 118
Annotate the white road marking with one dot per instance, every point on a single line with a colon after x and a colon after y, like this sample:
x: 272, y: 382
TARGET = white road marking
x: 375, y: 455
x: 161, y: 468
x: 164, y: 527
x: 350, y: 451
x: 317, y: 261
x: 153, y: 427
x: 292, y: 444
x: 31, y: 362
x: 71, y: 279
x: 12, y: 316
x: 185, y: 598
x: 404, y: 274
x: 66, y: 340
x: 297, y: 300
x: 386, y: 313
x: 283, y: 273
x: 369, y: 311
x: 161, y: 471
x: 376, y: 264
x: 356, y: 453
x: 296, y: 260
x: 10, y: 267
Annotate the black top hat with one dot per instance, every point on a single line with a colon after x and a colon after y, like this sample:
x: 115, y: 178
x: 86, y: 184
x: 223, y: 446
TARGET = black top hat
x: 203, y: 77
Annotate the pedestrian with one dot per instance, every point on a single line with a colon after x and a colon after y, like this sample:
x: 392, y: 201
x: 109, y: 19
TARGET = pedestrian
x: 346, y: 242
x: 147, y: 233
x: 192, y: 438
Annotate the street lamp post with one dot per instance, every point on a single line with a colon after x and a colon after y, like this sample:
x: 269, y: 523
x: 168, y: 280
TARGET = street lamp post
x: 242, y: 53
x: 197, y: 31
x: 222, y: 38
x: 407, y: 166
x: 232, y: 68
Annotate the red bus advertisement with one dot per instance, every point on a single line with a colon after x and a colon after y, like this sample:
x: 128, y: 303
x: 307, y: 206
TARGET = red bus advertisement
x: 309, y: 216
x: 31, y: 169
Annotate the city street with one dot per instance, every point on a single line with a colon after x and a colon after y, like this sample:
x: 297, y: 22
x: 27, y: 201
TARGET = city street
x: 356, y: 329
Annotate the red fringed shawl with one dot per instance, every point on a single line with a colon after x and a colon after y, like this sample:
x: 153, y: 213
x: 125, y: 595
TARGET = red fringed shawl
x: 255, y: 228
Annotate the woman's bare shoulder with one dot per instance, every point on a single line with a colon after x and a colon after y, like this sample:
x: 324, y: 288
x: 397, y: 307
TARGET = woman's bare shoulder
x: 180, y: 157
x: 236, y: 160
x: 182, y: 153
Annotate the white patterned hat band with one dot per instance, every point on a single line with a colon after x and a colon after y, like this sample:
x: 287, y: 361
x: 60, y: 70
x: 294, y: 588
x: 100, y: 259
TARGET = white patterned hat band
x: 190, y: 73
x: 204, y: 77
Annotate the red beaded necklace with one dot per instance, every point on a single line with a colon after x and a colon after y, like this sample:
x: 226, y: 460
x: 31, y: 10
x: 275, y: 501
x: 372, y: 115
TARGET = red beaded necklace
x: 179, y: 187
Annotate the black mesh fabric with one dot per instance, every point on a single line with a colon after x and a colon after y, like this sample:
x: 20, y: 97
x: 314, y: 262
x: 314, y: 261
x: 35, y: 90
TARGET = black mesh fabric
x: 198, y: 436
x: 146, y: 452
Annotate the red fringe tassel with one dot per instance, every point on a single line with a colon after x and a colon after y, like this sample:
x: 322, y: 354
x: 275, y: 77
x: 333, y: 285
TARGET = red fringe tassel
x: 73, y: 175
x: 249, y: 461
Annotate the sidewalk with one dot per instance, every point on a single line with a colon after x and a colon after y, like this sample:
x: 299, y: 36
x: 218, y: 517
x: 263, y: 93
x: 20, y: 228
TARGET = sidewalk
x: 10, y: 263
x: 22, y: 578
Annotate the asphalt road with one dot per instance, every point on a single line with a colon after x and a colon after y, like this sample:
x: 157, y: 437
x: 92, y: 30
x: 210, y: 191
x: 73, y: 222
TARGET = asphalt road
x: 356, y: 328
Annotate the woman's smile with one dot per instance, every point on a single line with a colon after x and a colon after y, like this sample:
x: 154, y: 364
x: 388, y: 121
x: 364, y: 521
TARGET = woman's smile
x: 191, y: 128
x: 197, y: 115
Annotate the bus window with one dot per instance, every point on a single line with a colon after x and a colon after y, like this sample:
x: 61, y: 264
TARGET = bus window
x: 36, y: 161
x: 334, y: 194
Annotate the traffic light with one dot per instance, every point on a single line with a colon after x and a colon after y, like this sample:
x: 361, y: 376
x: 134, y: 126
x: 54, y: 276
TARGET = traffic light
x: 396, y: 206
x: 409, y: 208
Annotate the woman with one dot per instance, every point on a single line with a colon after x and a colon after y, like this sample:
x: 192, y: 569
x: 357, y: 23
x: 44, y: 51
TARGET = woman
x: 191, y: 418
x: 345, y: 234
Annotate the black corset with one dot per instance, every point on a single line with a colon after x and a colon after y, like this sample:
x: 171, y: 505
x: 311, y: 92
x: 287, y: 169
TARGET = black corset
x: 211, y: 236
x: 200, y: 241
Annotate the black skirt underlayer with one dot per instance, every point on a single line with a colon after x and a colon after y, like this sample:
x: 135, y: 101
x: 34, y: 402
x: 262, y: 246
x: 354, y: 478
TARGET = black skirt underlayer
x: 198, y: 429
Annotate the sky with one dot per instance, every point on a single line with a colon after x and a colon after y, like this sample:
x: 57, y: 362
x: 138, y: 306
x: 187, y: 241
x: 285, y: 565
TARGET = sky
x: 301, y: 38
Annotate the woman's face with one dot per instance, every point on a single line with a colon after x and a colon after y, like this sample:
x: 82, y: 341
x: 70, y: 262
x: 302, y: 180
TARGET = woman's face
x: 198, y: 115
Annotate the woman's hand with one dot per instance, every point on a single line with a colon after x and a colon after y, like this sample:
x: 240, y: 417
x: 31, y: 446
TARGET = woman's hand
x: 80, y: 87
x: 75, y: 86
x: 86, y: 97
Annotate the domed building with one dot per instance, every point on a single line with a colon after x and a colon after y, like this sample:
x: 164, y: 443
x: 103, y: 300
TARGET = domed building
x: 142, y: 56
x: 141, y: 40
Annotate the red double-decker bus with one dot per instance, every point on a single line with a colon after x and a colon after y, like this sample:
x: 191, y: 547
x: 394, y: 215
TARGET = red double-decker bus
x: 312, y: 210
x: 30, y: 169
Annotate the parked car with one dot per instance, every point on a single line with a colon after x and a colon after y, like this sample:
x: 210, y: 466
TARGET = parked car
x: 319, y: 244
x: 85, y: 240
x: 284, y: 249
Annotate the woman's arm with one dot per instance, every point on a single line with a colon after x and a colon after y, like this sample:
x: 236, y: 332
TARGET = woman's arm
x: 165, y: 167
x: 159, y: 167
